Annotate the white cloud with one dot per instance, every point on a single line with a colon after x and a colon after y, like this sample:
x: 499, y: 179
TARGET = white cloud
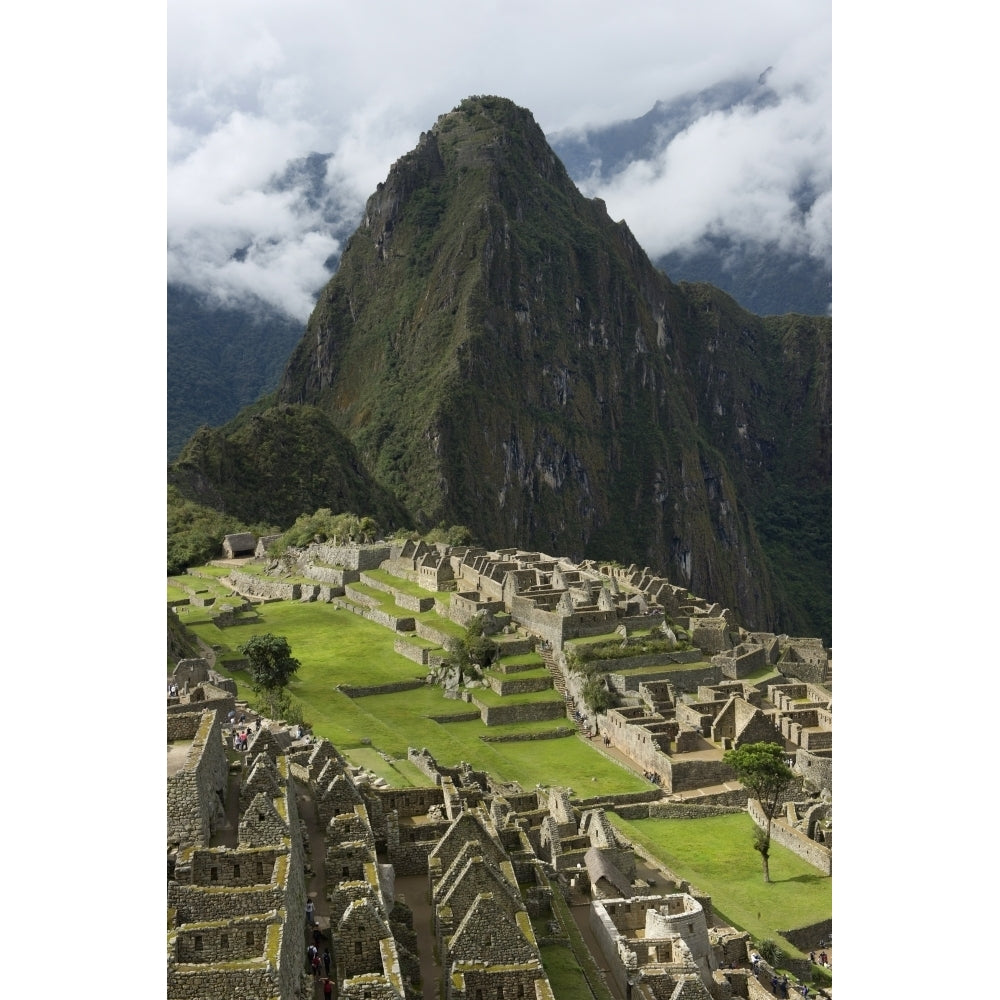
x: 255, y: 83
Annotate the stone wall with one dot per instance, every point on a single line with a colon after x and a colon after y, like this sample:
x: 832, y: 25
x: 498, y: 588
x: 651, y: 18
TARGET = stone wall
x: 408, y: 601
x: 815, y: 768
x: 376, y: 615
x: 519, y: 685
x: 193, y: 805
x: 333, y: 576
x: 499, y: 715
x: 797, y: 842
x: 250, y: 585
x: 431, y: 634
x: 683, y: 678
x: 363, y: 692
x: 351, y: 556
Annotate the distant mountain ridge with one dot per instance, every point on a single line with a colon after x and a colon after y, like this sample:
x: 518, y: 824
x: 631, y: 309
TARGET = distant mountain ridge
x: 499, y: 353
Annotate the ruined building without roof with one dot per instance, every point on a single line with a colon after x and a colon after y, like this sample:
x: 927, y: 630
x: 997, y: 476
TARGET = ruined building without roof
x: 493, y: 854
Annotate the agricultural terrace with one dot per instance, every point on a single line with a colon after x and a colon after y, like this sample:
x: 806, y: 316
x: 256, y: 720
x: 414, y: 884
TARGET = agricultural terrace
x: 337, y: 647
x: 715, y: 854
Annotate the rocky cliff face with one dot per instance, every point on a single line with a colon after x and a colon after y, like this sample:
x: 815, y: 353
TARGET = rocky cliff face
x: 503, y: 355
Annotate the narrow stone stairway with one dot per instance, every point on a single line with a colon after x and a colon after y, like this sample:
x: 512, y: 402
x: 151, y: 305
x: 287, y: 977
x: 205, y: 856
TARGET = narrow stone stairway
x: 559, y: 683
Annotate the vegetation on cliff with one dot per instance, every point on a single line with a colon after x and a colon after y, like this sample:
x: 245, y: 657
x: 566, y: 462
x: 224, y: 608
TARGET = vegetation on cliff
x: 496, y: 352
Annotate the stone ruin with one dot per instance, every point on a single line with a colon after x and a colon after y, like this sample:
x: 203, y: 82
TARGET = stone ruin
x: 490, y: 850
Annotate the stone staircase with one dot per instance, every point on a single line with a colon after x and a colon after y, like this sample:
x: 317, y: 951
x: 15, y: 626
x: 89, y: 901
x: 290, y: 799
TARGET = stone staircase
x: 559, y: 683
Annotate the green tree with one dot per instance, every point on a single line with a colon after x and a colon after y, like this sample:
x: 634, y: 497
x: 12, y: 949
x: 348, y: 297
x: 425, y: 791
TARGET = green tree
x: 762, y: 771
x: 270, y: 665
x: 474, y: 651
x: 596, y: 695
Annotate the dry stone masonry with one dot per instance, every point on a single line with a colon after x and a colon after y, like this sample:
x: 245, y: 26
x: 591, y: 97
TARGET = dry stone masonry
x: 686, y: 683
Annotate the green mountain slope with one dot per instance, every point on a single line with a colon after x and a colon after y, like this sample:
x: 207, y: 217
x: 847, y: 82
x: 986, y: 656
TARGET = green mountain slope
x: 501, y: 354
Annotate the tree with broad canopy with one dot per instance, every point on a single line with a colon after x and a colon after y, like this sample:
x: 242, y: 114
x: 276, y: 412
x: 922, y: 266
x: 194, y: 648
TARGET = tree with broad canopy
x: 270, y: 665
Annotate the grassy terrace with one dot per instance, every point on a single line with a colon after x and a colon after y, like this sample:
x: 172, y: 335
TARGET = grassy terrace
x: 716, y: 855
x: 406, y: 586
x: 335, y: 647
x: 522, y: 659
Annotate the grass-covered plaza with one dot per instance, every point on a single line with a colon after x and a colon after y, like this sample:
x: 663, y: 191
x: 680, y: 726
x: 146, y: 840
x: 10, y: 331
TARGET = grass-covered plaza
x: 336, y: 647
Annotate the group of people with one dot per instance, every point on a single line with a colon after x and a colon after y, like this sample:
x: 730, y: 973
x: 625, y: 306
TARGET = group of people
x: 824, y: 959
x: 779, y: 987
x: 652, y: 776
x: 315, y: 962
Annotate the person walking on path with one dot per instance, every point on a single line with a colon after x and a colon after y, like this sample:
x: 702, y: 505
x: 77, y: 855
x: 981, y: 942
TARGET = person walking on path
x: 327, y: 987
x: 326, y: 961
x: 310, y: 910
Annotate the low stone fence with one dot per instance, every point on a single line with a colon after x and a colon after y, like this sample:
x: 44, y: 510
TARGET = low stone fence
x: 684, y: 810
x: 536, y: 711
x: 418, y: 654
x: 404, y: 600
x: 363, y: 692
x: 797, y: 842
x: 431, y: 634
x: 552, y: 734
x: 250, y: 585
x: 333, y: 575
x: 377, y: 616
x: 519, y: 685
x: 620, y: 799
x: 460, y: 717
x: 683, y: 679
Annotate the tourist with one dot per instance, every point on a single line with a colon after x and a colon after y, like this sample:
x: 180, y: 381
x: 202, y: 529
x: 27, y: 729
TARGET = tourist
x: 326, y: 961
x: 812, y: 958
x: 317, y: 937
x: 824, y: 959
x: 327, y: 986
x: 774, y: 985
x: 310, y: 955
x: 310, y: 910
x: 316, y: 966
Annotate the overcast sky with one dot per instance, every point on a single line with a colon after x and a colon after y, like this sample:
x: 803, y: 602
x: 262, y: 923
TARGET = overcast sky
x: 255, y: 83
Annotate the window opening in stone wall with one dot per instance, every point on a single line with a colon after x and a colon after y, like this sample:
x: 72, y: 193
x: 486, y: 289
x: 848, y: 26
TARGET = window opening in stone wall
x: 250, y: 938
x: 260, y: 867
x: 345, y: 871
x: 223, y: 940
x: 690, y: 928
x: 198, y: 943
x: 236, y: 871
x: 520, y: 989
x: 214, y: 874
x: 357, y: 947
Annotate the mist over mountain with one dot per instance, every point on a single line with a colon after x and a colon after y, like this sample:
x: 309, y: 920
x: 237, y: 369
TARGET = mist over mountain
x: 233, y: 306
x: 496, y: 351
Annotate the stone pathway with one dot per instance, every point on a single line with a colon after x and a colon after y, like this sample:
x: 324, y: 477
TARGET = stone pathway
x: 416, y: 891
x: 315, y: 856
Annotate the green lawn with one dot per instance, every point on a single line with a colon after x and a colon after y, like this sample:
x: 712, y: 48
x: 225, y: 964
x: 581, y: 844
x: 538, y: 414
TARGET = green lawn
x: 406, y: 586
x: 337, y: 647
x: 716, y: 855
